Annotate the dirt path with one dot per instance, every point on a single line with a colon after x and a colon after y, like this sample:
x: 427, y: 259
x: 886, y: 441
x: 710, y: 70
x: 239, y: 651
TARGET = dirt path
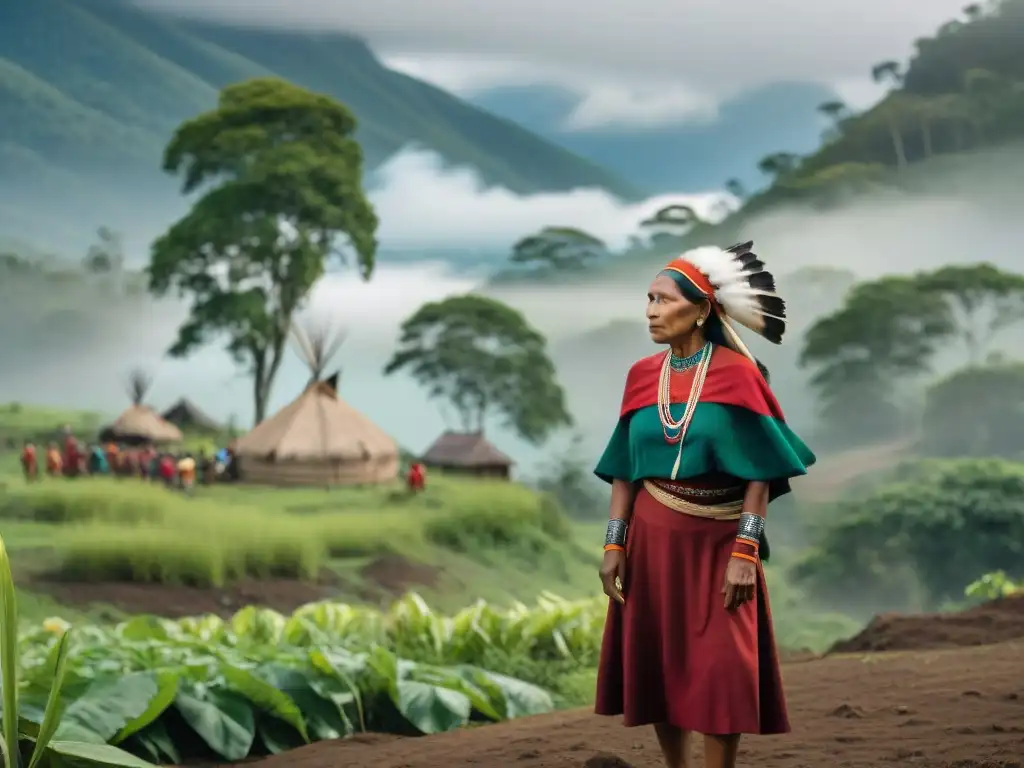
x: 961, y: 708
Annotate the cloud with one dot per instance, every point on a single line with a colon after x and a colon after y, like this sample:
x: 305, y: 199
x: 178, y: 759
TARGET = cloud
x: 708, y: 49
x: 608, y: 104
x: 422, y: 204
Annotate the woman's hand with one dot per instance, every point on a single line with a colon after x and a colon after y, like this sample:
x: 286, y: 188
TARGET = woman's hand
x: 613, y: 574
x: 740, y: 582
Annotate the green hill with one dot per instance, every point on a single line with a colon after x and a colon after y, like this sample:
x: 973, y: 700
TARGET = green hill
x: 89, y: 86
x: 952, y: 121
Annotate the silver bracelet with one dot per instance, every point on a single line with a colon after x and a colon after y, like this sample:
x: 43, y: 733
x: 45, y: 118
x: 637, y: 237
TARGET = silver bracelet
x: 751, y: 527
x: 615, y: 535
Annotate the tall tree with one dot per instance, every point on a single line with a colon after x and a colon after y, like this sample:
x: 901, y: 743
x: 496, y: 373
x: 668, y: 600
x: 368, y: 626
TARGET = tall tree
x: 778, y: 165
x: 280, y: 177
x: 984, y: 300
x: 669, y: 223
x: 560, y: 248
x: 886, y: 331
x: 892, y: 108
x: 483, y: 358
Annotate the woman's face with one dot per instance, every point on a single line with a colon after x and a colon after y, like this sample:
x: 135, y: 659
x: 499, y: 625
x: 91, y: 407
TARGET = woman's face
x: 670, y: 315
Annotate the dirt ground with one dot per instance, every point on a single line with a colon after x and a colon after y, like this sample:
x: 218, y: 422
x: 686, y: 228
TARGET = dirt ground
x: 960, y: 708
x: 930, y: 691
x: 989, y: 623
x: 386, y: 577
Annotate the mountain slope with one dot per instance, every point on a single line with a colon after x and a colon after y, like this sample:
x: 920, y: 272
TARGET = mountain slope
x: 693, y: 156
x: 98, y: 85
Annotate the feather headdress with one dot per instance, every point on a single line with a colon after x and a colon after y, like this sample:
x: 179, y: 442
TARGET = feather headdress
x: 739, y: 287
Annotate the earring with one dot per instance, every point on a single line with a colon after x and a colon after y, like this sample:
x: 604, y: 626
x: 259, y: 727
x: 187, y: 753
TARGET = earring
x: 700, y: 321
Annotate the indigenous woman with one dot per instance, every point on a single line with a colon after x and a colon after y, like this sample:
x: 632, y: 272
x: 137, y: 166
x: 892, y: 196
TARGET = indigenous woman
x: 699, y: 450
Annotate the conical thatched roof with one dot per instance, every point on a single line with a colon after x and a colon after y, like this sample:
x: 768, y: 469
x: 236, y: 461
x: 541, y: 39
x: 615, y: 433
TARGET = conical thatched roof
x: 318, y: 428
x: 317, y: 425
x: 139, y: 422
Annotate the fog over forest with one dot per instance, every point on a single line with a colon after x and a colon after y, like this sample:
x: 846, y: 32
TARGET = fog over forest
x: 77, y: 343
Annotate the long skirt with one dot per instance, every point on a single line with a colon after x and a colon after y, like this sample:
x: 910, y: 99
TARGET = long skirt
x: 673, y: 653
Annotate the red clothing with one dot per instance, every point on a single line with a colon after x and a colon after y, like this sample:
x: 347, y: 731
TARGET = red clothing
x: 167, y: 468
x: 417, y: 477
x: 29, y: 461
x: 673, y: 653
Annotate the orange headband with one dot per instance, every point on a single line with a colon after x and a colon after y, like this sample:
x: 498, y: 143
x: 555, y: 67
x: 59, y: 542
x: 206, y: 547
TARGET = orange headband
x: 695, y: 276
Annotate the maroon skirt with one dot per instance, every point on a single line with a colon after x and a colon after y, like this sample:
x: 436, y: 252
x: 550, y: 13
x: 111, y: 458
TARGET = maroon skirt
x: 673, y: 654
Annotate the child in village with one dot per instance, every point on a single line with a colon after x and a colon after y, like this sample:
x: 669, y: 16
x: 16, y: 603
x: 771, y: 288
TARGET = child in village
x: 187, y: 472
x: 54, y: 461
x: 30, y: 462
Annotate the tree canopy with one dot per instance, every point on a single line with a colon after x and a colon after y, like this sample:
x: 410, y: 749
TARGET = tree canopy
x: 280, y: 177
x: 483, y: 359
x: 976, y: 411
x: 913, y: 543
x: 559, y: 248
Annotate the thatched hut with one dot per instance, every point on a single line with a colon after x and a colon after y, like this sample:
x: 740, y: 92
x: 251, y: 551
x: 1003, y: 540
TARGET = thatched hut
x: 186, y: 415
x: 468, y: 453
x: 140, y: 424
x: 318, y: 438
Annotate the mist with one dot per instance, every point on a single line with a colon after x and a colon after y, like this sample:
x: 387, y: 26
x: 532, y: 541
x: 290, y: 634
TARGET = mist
x: 962, y: 212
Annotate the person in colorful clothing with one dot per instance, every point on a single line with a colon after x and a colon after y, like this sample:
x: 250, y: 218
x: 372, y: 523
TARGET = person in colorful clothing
x: 30, y: 462
x: 700, y: 448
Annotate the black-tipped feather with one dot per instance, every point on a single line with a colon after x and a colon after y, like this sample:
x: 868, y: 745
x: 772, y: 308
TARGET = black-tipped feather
x: 762, y: 281
x: 772, y: 305
x: 754, y: 265
x: 741, y: 248
x: 774, y: 329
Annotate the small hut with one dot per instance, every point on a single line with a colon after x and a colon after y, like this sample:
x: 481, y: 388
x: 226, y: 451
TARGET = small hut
x: 186, y: 415
x: 140, y: 424
x: 318, y: 438
x: 468, y: 453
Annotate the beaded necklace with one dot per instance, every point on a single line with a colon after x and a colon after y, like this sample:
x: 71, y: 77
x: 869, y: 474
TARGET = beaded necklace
x: 675, y: 431
x: 680, y: 364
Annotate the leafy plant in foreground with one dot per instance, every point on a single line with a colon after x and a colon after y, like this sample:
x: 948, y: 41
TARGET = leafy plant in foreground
x: 19, y: 728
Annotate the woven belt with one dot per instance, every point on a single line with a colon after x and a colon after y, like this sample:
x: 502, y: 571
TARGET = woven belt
x: 729, y: 510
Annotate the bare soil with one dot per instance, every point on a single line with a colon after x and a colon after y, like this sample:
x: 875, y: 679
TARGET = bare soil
x: 961, y: 708
x: 387, y: 576
x: 174, y: 602
x: 946, y: 700
x: 990, y: 623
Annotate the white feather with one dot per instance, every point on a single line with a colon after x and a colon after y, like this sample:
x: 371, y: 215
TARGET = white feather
x: 731, y: 284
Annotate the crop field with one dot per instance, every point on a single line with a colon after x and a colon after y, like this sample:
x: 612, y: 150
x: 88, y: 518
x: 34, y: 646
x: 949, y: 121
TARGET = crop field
x: 260, y: 682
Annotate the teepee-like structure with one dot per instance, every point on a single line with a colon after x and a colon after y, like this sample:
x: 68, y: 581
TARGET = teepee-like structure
x: 318, y: 438
x: 139, y: 423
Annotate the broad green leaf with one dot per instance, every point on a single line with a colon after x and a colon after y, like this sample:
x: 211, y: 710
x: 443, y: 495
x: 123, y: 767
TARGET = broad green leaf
x: 158, y: 742
x: 96, y: 755
x: 429, y: 708
x: 521, y: 698
x: 108, y: 705
x: 167, y: 690
x: 9, y: 660
x: 266, y: 697
x: 222, y: 719
x: 144, y: 628
x: 51, y: 716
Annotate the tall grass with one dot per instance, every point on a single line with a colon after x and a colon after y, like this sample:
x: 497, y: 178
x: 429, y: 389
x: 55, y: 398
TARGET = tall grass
x: 127, y: 531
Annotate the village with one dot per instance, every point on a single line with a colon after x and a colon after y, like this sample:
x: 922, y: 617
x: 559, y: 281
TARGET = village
x: 316, y: 440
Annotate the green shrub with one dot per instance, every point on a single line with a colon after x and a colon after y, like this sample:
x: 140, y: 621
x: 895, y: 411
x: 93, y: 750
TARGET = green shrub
x: 915, y: 542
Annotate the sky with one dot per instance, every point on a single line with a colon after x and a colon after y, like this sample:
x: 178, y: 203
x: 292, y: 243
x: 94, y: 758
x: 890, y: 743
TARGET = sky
x: 644, y: 62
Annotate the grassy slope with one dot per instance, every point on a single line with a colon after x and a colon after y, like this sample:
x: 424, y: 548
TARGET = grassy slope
x: 99, y: 84
x: 495, y: 561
